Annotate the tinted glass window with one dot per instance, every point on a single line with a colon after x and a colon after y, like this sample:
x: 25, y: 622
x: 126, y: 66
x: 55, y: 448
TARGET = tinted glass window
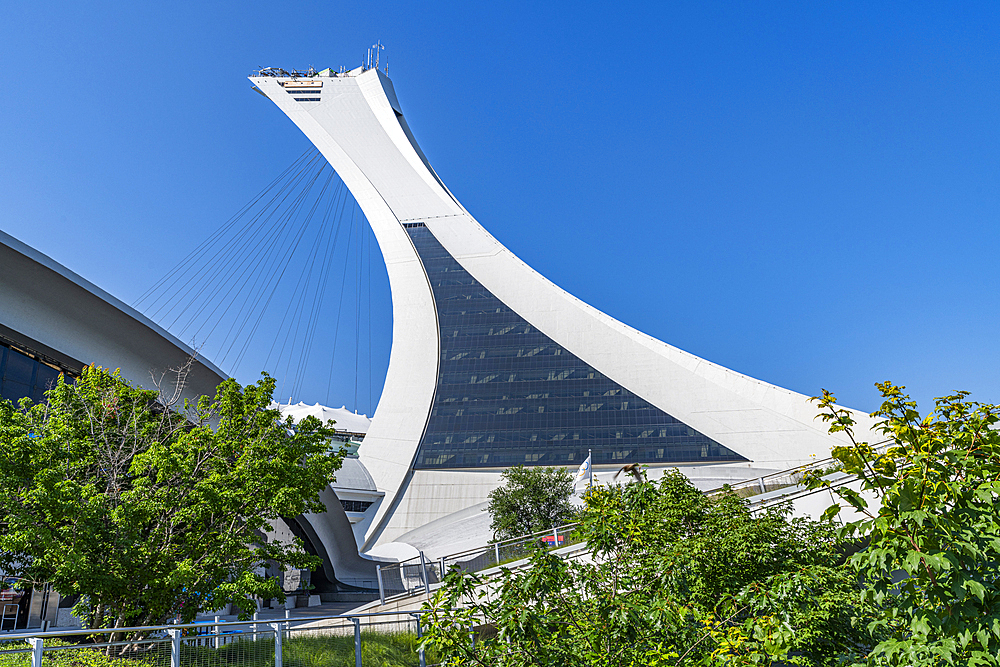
x: 14, y: 391
x: 20, y: 367
x: 355, y: 505
x: 45, y: 379
x: 507, y: 394
x: 21, y: 375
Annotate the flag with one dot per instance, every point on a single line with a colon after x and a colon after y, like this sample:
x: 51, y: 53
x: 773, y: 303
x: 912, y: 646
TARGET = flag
x: 583, y: 473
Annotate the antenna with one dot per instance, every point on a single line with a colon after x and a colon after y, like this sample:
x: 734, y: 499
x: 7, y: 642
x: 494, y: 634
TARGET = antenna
x: 377, y: 46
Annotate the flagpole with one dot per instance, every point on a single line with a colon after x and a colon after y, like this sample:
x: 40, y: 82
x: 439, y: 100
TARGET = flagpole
x: 591, y: 466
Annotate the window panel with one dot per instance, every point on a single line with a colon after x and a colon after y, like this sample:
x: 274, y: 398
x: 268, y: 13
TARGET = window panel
x: 508, y: 395
x: 14, y: 391
x: 20, y: 368
x: 21, y: 375
x: 45, y: 378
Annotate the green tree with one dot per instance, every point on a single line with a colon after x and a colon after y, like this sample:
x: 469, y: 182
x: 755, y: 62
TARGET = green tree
x: 674, y: 578
x: 148, y: 512
x: 530, y: 500
x: 930, y: 510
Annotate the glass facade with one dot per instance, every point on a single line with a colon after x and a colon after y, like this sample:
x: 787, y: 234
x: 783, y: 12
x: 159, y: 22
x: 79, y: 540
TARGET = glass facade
x: 507, y: 394
x: 356, y: 505
x: 23, y: 375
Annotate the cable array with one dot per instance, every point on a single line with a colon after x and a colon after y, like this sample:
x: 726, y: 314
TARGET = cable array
x: 255, y: 294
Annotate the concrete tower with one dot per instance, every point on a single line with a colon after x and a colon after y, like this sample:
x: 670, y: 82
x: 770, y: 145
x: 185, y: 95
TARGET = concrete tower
x: 492, y: 365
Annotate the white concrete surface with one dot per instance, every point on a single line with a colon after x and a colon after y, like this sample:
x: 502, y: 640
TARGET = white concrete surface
x: 43, y: 300
x: 359, y: 127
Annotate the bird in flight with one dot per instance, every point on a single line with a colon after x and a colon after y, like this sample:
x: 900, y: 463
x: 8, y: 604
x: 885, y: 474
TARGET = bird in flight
x: 634, y: 469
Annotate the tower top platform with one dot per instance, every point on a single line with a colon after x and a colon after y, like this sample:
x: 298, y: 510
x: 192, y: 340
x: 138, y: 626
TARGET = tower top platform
x: 372, y: 61
x: 309, y: 73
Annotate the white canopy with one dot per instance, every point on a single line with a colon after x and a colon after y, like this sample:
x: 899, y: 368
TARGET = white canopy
x: 344, y: 418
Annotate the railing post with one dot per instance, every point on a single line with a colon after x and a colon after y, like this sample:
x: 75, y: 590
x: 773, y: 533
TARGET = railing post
x: 423, y: 568
x: 175, y: 647
x: 216, y: 639
x: 420, y: 634
x: 555, y: 537
x: 496, y: 550
x: 277, y: 643
x: 760, y: 483
x: 441, y: 569
x: 37, y: 646
x: 381, y: 586
x: 253, y: 627
x: 357, y: 642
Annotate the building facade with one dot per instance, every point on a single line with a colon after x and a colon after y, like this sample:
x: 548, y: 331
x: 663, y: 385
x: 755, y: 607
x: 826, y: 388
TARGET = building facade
x: 491, y: 364
x: 54, y: 321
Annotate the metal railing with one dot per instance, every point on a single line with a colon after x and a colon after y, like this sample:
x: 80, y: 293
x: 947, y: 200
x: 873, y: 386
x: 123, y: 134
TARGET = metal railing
x: 785, y: 479
x: 417, y: 574
x: 8, y: 615
x: 322, y: 640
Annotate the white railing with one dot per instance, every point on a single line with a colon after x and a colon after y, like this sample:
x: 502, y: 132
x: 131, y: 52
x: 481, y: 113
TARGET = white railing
x: 417, y: 574
x: 256, y: 643
x: 786, y: 479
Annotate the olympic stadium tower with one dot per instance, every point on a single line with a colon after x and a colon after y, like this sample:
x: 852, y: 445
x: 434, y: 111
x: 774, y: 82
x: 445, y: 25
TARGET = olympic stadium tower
x: 492, y: 365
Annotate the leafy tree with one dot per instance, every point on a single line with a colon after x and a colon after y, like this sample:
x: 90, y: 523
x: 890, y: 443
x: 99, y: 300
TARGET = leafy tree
x: 674, y: 578
x: 530, y: 500
x: 148, y: 512
x: 930, y: 510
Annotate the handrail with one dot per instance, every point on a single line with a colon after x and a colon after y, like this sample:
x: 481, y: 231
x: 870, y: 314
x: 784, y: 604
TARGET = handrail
x: 745, y: 483
x: 761, y: 481
x: 404, y: 578
x: 563, y: 529
x: 201, y: 625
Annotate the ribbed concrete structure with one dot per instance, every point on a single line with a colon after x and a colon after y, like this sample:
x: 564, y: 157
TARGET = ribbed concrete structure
x: 53, y: 320
x: 492, y: 365
x: 68, y: 322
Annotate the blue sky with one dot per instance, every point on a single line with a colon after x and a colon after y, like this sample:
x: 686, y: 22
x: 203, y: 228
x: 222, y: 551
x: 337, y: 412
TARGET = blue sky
x: 804, y: 192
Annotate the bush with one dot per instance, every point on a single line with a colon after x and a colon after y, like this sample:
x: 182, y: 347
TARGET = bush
x: 530, y: 500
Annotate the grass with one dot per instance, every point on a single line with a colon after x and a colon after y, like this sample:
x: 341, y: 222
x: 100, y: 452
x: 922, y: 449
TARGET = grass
x: 386, y: 649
